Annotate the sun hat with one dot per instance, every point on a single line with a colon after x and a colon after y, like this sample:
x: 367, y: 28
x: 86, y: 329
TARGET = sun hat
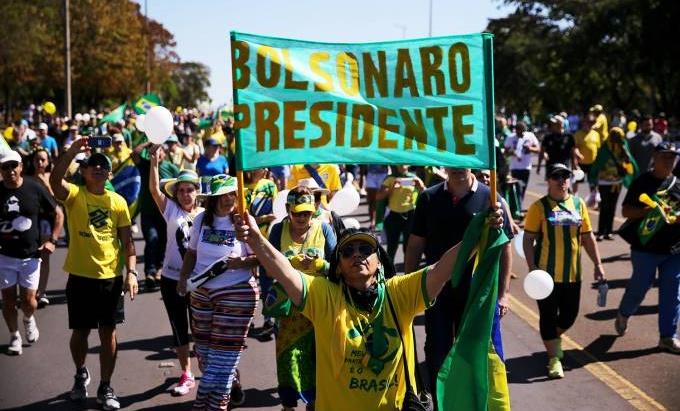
x: 596, y: 107
x: 220, y: 184
x: 185, y: 176
x: 312, y: 185
x: 300, y: 202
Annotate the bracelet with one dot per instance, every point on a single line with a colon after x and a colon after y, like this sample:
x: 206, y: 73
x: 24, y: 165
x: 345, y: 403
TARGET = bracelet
x: 133, y: 272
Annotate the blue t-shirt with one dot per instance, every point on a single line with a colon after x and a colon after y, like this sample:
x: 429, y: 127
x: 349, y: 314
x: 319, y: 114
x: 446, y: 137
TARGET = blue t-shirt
x: 206, y: 167
x: 50, y: 144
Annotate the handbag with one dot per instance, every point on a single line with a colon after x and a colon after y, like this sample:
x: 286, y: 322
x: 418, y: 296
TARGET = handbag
x: 412, y: 401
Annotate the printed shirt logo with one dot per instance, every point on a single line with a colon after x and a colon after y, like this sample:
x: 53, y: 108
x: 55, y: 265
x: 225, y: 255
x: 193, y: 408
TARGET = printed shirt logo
x: 564, y: 218
x: 218, y: 237
x: 16, y: 222
x: 377, y: 361
x: 99, y: 217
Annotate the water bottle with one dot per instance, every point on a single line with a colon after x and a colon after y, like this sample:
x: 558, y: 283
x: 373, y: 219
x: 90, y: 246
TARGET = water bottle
x: 602, y: 289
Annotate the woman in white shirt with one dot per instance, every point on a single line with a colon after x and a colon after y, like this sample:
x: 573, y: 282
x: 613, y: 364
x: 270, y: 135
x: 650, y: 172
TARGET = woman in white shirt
x: 179, y: 207
x: 226, y: 293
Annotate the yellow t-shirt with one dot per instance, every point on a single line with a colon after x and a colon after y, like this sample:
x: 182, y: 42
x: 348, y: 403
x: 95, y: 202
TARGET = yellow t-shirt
x: 587, y: 142
x: 93, y: 222
x: 343, y: 380
x: 329, y: 173
x: 601, y: 127
x: 558, y: 226
x: 402, y: 198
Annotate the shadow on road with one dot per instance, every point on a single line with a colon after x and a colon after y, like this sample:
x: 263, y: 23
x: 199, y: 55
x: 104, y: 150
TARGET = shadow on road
x: 160, y: 346
x: 260, y: 398
x: 528, y: 369
x: 617, y: 257
x: 607, y: 315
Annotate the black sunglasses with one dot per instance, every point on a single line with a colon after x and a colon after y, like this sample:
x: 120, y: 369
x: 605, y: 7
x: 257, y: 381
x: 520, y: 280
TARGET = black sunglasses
x: 363, y: 249
x: 560, y: 176
x: 10, y: 165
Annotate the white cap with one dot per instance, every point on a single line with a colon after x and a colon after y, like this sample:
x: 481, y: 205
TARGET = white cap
x: 42, y: 126
x: 10, y: 155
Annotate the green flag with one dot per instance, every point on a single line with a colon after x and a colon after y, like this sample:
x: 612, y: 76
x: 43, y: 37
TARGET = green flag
x: 144, y: 103
x: 115, y: 115
x: 462, y: 383
x: 205, y: 123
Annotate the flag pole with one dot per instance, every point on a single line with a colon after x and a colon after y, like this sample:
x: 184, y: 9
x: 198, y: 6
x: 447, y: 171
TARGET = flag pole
x: 493, y: 186
x: 241, y: 204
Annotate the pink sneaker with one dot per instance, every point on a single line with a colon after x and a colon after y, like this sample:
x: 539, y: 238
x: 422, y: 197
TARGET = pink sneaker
x: 185, y: 384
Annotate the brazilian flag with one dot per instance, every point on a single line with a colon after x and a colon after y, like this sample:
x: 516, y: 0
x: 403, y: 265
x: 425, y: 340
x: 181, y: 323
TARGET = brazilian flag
x: 472, y: 377
x: 115, y: 115
x: 144, y: 103
x: 128, y: 183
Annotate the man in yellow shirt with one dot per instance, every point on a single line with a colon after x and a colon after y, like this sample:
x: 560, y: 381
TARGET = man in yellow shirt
x: 601, y: 125
x: 99, y: 226
x: 587, y: 143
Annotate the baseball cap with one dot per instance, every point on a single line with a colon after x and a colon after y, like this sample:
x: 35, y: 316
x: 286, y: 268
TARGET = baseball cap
x: 557, y: 169
x: 557, y: 119
x: 666, y: 147
x: 210, y: 142
x: 596, y: 107
x: 300, y: 202
x: 42, y: 126
x: 99, y: 159
x: 10, y: 155
x: 356, y: 235
x: 172, y: 139
x: 118, y: 137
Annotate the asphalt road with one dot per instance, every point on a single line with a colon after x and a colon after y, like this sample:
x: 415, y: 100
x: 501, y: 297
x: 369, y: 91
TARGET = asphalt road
x: 603, y: 372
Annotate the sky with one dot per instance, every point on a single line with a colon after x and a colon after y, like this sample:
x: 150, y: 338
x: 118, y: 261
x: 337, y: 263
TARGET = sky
x: 201, y: 27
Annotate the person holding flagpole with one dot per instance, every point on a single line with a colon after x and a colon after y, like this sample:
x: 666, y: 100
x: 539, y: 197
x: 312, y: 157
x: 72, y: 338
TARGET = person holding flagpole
x: 362, y: 315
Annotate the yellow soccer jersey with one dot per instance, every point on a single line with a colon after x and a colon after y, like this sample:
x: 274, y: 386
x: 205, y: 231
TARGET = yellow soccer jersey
x: 558, y: 226
x: 93, y: 222
x: 343, y: 379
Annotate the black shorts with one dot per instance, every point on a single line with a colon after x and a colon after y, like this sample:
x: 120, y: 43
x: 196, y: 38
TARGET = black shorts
x: 94, y: 303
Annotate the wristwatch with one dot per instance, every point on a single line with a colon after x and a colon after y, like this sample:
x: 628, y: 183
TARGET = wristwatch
x: 52, y: 240
x: 134, y: 272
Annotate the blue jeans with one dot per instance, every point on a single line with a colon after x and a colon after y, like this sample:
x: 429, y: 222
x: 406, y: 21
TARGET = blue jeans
x: 645, y: 266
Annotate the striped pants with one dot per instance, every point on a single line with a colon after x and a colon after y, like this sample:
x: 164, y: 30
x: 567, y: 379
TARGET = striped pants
x: 219, y: 323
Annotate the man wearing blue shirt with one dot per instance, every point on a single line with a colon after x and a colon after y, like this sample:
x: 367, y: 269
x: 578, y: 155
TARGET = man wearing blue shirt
x: 48, y: 142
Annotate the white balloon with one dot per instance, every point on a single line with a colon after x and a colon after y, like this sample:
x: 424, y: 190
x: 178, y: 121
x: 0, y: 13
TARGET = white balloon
x: 78, y: 117
x: 518, y: 243
x: 86, y: 118
x: 279, y: 206
x: 538, y: 284
x: 351, y: 222
x: 139, y: 123
x: 578, y: 176
x: 158, y: 124
x: 345, y: 201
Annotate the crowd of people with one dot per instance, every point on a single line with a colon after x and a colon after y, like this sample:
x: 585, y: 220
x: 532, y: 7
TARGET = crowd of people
x: 340, y: 313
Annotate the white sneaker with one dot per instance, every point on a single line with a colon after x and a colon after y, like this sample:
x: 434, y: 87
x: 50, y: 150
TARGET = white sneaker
x: 185, y: 384
x: 15, y: 347
x: 32, y: 332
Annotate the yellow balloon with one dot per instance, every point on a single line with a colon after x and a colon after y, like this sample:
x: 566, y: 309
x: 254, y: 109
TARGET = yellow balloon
x: 178, y: 109
x: 49, y: 107
x: 8, y: 132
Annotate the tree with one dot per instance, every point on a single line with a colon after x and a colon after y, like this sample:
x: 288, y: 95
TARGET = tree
x: 570, y: 54
x: 192, y: 80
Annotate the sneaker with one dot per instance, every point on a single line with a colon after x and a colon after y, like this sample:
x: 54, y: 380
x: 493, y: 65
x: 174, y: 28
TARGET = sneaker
x: 43, y: 301
x: 266, y: 331
x: 609, y: 237
x: 106, y: 397
x: 237, y: 396
x: 80, y: 382
x: 621, y: 324
x: 185, y: 384
x: 555, y: 368
x: 32, y: 332
x: 599, y: 238
x: 671, y: 344
x: 15, y: 344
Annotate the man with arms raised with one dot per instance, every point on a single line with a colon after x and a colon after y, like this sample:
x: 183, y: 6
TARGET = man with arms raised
x: 99, y: 223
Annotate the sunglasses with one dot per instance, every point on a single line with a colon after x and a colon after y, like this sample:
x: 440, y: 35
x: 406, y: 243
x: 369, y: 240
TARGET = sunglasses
x: 10, y: 165
x: 560, y: 177
x: 363, y: 249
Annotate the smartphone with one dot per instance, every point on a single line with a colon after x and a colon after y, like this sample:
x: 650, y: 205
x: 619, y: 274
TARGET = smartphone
x: 99, y: 141
x: 406, y: 182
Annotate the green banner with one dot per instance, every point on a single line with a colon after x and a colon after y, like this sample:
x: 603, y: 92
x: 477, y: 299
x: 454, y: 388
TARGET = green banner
x: 418, y: 102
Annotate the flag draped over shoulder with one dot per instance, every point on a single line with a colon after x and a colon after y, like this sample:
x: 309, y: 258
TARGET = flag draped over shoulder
x: 469, y: 370
x: 115, y: 115
x: 144, y: 103
x: 127, y: 182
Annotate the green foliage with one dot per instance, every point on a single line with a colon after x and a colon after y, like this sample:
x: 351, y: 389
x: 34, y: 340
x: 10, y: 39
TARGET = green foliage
x: 570, y: 54
x: 111, y: 41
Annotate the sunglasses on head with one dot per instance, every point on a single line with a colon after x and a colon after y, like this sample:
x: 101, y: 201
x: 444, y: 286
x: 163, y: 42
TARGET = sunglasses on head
x: 10, y: 165
x: 363, y: 249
